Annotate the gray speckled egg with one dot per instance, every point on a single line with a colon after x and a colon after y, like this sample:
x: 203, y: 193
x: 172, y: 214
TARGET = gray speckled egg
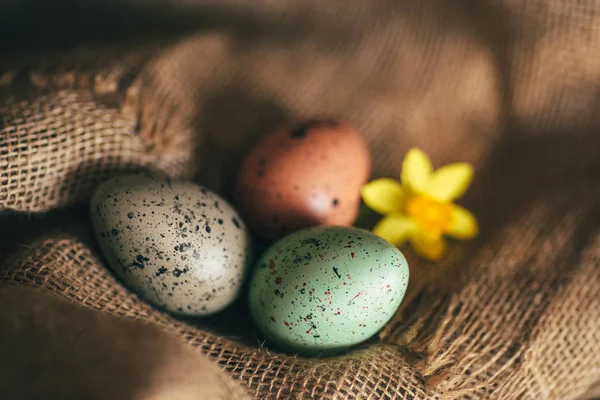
x: 323, y: 289
x: 177, y: 245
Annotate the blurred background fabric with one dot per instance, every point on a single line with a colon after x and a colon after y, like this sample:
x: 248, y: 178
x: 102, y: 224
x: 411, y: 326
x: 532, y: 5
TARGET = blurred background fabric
x: 93, y: 89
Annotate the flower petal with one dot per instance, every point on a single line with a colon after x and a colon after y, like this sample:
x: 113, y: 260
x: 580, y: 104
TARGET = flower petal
x: 416, y: 170
x: 395, y: 228
x: 464, y: 224
x: 429, y: 247
x: 383, y: 195
x: 449, y: 182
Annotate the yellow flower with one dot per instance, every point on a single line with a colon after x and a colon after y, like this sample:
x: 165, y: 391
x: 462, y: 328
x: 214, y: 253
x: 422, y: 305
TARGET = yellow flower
x: 421, y: 209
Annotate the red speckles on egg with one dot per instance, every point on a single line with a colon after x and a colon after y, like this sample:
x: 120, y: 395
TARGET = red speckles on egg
x: 303, y: 175
x: 354, y: 298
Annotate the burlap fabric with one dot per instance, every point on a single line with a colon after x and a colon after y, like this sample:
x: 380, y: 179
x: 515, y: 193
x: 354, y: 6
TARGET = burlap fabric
x: 511, y: 86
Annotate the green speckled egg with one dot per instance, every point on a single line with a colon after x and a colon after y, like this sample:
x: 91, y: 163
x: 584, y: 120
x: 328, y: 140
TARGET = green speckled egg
x: 323, y: 289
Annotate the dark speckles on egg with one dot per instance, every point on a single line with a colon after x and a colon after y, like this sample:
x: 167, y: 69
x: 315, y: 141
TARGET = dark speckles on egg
x: 140, y: 261
x: 176, y: 234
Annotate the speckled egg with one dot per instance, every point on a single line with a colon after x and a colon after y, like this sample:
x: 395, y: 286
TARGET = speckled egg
x: 323, y: 289
x: 176, y: 244
x: 303, y: 175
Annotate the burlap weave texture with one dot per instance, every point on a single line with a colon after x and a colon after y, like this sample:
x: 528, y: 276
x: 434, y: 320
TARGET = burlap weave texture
x: 510, y: 86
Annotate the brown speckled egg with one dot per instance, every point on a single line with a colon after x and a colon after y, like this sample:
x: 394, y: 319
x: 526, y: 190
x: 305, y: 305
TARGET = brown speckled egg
x: 303, y: 175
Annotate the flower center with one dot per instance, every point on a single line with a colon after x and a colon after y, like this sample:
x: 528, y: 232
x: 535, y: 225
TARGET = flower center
x: 432, y: 216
